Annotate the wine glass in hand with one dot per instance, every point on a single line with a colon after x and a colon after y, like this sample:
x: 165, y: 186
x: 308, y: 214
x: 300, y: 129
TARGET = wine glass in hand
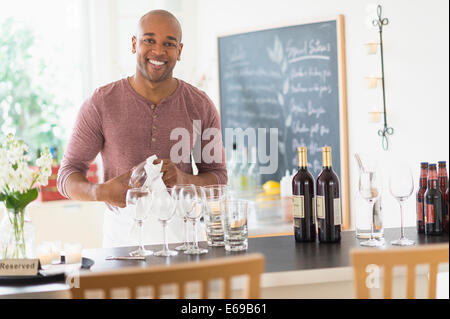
x: 401, y: 186
x: 164, y: 204
x: 138, y: 201
x: 369, y: 187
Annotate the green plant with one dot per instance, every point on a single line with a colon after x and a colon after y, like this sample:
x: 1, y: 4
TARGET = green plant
x: 26, y: 101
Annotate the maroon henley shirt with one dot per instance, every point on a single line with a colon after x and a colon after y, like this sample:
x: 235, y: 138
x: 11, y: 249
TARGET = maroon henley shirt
x: 126, y: 129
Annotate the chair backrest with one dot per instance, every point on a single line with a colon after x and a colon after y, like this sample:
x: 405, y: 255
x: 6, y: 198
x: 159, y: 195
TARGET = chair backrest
x: 132, y: 278
x: 432, y: 255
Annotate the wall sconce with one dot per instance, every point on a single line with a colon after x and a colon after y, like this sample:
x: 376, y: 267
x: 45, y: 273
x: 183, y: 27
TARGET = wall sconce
x: 372, y: 82
x: 375, y: 116
x: 372, y: 47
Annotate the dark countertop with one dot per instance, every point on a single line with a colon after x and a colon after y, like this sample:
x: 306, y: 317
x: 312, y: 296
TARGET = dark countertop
x: 282, y: 257
x: 282, y: 253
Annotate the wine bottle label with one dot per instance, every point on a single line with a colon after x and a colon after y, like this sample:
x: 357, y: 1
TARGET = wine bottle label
x: 430, y: 213
x: 320, y: 207
x: 337, y: 211
x: 314, y: 210
x: 299, y: 206
x: 419, y: 209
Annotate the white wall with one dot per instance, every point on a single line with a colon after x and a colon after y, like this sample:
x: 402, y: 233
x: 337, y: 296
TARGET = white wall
x: 416, y: 65
x: 110, y: 25
x: 416, y: 59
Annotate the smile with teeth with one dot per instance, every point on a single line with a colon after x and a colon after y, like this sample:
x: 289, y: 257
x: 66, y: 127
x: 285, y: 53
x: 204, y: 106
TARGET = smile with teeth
x: 156, y: 63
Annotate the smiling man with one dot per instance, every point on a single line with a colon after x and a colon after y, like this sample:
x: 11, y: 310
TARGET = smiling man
x: 131, y: 119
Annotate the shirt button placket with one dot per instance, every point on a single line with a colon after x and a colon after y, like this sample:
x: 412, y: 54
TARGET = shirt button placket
x: 153, y: 106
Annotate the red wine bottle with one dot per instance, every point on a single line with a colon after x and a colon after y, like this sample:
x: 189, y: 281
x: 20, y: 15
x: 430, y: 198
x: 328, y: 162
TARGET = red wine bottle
x: 420, y: 197
x: 303, y: 201
x: 433, y: 204
x: 447, y: 203
x: 328, y: 201
x: 443, y: 184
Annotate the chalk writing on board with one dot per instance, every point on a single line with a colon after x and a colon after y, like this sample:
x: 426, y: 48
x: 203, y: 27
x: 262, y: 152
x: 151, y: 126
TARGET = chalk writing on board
x: 285, y: 78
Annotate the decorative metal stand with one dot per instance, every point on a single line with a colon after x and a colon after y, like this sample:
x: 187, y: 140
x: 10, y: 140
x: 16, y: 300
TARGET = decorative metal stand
x: 386, y: 130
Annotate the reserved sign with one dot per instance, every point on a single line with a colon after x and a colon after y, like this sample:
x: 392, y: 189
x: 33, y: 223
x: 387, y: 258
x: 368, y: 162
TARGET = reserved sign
x: 19, y: 267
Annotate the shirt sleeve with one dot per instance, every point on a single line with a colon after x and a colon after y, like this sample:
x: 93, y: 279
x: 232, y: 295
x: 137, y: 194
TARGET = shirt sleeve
x: 213, y: 153
x: 84, y: 144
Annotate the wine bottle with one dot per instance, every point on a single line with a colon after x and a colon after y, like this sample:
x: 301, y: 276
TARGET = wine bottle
x: 447, y: 203
x: 433, y: 204
x: 253, y: 171
x: 328, y: 202
x: 303, y: 200
x: 420, y: 197
x: 442, y: 180
x: 243, y: 170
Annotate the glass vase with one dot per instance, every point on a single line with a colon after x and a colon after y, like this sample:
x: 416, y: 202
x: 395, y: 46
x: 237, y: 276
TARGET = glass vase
x: 16, y: 235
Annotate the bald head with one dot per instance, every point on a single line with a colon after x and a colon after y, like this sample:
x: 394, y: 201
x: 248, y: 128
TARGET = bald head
x: 158, y: 14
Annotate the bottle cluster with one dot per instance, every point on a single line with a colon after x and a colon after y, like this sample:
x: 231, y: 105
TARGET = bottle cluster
x: 432, y: 199
x: 243, y: 170
x: 317, y: 203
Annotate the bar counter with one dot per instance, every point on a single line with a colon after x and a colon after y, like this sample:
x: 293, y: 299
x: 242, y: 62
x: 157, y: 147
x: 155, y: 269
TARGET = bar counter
x: 292, y: 270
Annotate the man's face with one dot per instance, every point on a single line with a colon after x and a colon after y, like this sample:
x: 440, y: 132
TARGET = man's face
x: 157, y: 47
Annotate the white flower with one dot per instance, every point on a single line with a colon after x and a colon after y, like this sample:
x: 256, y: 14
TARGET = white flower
x: 45, y: 167
x: 15, y: 175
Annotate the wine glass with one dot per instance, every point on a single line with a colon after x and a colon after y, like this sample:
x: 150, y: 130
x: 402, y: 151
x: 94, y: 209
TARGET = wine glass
x: 181, y: 213
x: 143, y: 175
x: 401, y: 186
x: 369, y: 187
x: 138, y: 201
x: 164, y: 204
x: 192, y: 199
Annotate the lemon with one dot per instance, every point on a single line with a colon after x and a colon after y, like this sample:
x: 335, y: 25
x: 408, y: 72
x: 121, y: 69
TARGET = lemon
x: 271, y: 188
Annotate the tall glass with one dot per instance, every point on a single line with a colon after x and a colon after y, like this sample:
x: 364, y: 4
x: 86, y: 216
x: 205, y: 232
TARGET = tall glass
x: 164, y: 205
x: 193, y: 200
x: 235, y: 224
x: 138, y: 201
x: 215, y: 198
x: 401, y: 186
x: 369, y: 187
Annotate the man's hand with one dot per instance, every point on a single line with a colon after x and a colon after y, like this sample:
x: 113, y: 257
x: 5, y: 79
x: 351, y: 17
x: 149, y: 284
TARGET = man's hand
x: 171, y: 174
x: 114, y: 191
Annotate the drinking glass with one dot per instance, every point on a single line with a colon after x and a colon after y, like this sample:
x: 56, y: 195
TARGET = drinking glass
x: 369, y: 187
x: 164, y: 204
x: 367, y: 222
x: 215, y: 198
x: 235, y: 224
x: 192, y: 200
x: 138, y: 200
x: 401, y: 186
x: 181, y: 213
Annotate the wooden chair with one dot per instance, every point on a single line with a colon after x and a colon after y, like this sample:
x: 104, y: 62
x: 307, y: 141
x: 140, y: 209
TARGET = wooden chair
x: 179, y: 274
x: 409, y: 256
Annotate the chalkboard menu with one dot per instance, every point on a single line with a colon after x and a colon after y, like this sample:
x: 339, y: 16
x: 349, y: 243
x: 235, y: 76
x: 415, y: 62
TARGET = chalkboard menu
x: 293, y: 79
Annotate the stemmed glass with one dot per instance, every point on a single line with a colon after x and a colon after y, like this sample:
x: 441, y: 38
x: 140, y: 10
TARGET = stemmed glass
x: 369, y: 187
x: 164, y: 204
x: 138, y: 200
x: 401, y: 186
x: 192, y: 199
x: 181, y: 213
